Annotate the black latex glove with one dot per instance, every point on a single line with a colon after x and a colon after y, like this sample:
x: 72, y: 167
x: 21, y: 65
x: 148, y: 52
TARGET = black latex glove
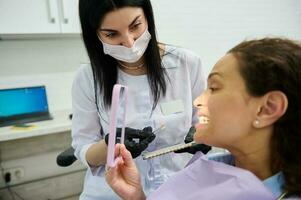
x: 194, y: 148
x: 135, y: 140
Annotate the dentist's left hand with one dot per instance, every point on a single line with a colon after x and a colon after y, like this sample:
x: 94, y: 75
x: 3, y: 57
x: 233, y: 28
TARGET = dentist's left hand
x: 196, y: 147
x: 124, y: 178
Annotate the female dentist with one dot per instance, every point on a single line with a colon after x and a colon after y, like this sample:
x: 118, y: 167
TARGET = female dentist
x: 163, y: 80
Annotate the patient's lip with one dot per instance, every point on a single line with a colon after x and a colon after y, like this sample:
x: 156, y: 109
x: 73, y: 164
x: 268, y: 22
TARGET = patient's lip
x: 198, y: 125
x: 201, y: 113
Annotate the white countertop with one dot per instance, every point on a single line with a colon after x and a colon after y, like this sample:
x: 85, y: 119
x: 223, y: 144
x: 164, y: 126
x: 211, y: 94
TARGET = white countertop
x: 59, y: 123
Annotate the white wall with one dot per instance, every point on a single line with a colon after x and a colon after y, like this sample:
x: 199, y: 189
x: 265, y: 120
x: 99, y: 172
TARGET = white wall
x: 38, y: 56
x: 211, y: 27
x: 51, y: 62
x: 208, y: 27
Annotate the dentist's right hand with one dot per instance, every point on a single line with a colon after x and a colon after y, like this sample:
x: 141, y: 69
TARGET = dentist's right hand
x: 135, y: 140
x: 124, y: 178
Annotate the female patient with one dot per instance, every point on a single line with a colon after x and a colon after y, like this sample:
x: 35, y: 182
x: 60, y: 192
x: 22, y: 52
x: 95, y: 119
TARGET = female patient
x: 251, y: 108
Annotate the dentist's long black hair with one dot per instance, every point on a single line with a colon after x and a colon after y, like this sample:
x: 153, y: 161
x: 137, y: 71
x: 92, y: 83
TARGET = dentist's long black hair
x: 104, y: 67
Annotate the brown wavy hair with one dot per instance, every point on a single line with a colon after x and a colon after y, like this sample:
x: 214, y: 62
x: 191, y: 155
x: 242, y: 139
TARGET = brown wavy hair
x: 271, y: 64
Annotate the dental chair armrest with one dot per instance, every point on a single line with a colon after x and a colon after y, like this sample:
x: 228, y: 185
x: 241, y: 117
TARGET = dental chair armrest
x: 66, y: 158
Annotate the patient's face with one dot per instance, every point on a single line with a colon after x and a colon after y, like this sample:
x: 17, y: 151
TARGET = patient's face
x: 225, y: 109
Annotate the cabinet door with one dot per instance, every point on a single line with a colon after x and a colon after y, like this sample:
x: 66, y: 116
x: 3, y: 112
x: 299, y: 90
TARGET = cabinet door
x: 69, y: 16
x: 29, y: 16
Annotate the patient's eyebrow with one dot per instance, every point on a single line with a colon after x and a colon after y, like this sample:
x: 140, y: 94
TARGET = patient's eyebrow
x: 214, y: 74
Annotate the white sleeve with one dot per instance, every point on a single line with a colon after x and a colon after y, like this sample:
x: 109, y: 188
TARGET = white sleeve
x: 198, y: 80
x: 86, y: 127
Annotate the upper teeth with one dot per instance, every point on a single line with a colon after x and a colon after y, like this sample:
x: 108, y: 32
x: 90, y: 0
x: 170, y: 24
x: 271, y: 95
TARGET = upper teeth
x: 203, y: 120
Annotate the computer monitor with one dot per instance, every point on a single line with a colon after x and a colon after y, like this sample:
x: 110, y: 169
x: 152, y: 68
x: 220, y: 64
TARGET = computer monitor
x: 23, y: 105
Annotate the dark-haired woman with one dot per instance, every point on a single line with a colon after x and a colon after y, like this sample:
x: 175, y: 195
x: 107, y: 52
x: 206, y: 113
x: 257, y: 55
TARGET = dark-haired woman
x: 163, y: 80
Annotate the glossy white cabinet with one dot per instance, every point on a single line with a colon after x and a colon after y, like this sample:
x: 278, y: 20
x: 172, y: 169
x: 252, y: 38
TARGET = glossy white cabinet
x: 39, y: 16
x: 69, y: 16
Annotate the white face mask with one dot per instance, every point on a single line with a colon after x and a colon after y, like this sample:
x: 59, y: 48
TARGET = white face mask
x: 125, y: 54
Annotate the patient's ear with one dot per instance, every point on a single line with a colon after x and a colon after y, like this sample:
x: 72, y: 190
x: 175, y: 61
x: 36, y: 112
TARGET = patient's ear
x: 273, y: 106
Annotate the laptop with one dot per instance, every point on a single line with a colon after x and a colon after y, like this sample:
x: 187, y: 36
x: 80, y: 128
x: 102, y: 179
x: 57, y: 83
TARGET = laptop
x: 23, y: 105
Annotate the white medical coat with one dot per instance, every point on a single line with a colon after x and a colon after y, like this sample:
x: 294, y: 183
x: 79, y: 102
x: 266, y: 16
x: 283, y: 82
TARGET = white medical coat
x: 186, y: 81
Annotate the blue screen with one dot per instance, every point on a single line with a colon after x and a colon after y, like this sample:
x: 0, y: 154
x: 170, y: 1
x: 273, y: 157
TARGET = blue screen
x: 22, y: 101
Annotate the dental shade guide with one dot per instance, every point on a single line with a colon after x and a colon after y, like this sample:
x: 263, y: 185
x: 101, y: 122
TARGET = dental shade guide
x: 149, y: 155
x: 166, y: 150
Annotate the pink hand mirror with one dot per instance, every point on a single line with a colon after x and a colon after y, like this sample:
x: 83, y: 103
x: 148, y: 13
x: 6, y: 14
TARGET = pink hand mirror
x: 119, y: 102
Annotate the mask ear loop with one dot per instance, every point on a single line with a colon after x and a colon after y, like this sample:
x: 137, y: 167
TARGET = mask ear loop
x: 111, y: 161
